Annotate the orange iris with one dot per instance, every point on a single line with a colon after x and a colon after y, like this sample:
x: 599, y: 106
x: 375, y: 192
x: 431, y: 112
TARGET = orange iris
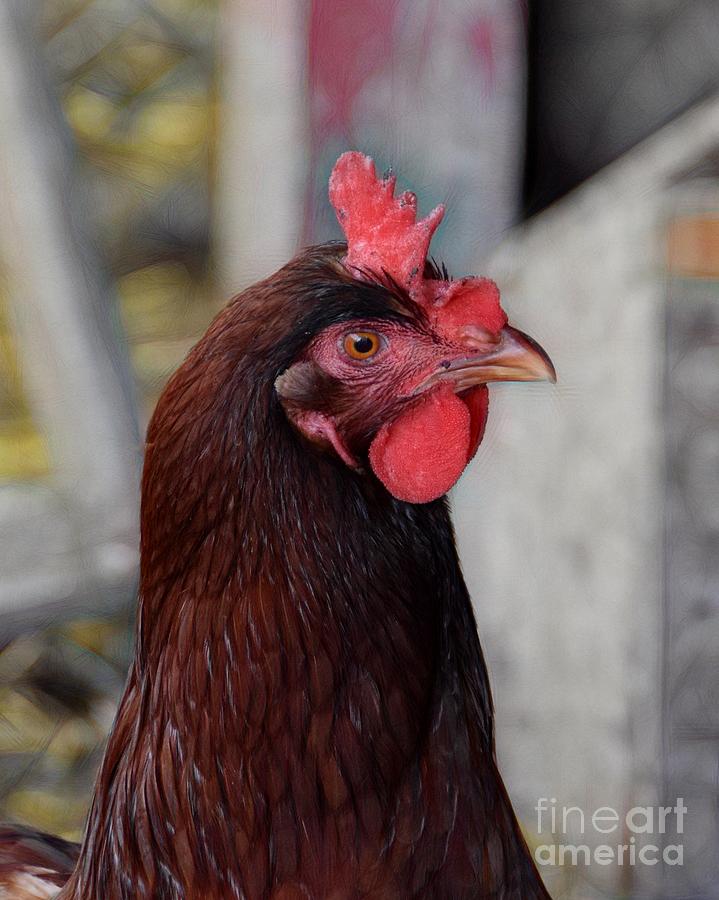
x: 361, y: 344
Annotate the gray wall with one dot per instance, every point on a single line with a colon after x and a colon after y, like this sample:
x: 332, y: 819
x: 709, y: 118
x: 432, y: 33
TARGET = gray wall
x: 560, y: 518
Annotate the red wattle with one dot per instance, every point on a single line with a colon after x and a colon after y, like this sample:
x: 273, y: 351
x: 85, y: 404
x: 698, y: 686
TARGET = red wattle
x: 422, y: 453
x: 477, y: 400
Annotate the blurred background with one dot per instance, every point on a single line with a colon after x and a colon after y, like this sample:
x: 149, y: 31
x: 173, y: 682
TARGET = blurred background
x: 156, y: 156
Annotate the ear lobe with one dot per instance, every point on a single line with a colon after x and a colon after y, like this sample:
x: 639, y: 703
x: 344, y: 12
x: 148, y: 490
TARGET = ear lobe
x: 321, y: 429
x: 297, y: 388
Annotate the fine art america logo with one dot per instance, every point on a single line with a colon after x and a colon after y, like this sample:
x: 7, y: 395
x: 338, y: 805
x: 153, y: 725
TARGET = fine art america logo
x: 637, y: 835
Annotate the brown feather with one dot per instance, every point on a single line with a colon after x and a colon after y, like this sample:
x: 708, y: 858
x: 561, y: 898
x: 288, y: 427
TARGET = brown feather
x: 33, y: 865
x: 308, y: 713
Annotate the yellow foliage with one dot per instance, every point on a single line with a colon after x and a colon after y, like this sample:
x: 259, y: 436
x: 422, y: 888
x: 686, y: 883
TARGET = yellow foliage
x: 73, y: 739
x: 92, y: 634
x: 23, y: 450
x: 45, y: 809
x: 178, y: 127
x: 23, y: 454
x: 142, y: 114
x: 18, y: 656
x: 155, y: 301
x: 174, y: 8
x: 90, y: 114
x: 24, y: 727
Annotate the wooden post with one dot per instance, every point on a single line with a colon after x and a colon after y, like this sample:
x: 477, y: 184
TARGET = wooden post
x: 74, y: 370
x: 262, y: 159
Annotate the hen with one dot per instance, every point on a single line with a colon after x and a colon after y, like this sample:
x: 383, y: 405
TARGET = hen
x: 308, y: 714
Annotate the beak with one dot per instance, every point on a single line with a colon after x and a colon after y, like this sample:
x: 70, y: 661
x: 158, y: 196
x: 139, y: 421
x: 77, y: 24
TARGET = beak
x: 514, y: 357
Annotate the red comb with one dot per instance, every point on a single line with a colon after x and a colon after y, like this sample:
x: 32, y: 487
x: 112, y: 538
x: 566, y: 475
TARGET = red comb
x: 421, y: 453
x: 383, y: 234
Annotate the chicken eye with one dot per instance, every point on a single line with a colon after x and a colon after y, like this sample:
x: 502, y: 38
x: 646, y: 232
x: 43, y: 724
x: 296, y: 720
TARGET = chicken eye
x: 361, y: 344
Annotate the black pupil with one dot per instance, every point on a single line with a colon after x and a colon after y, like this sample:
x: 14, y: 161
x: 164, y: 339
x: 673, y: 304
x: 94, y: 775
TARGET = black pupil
x: 363, y: 344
